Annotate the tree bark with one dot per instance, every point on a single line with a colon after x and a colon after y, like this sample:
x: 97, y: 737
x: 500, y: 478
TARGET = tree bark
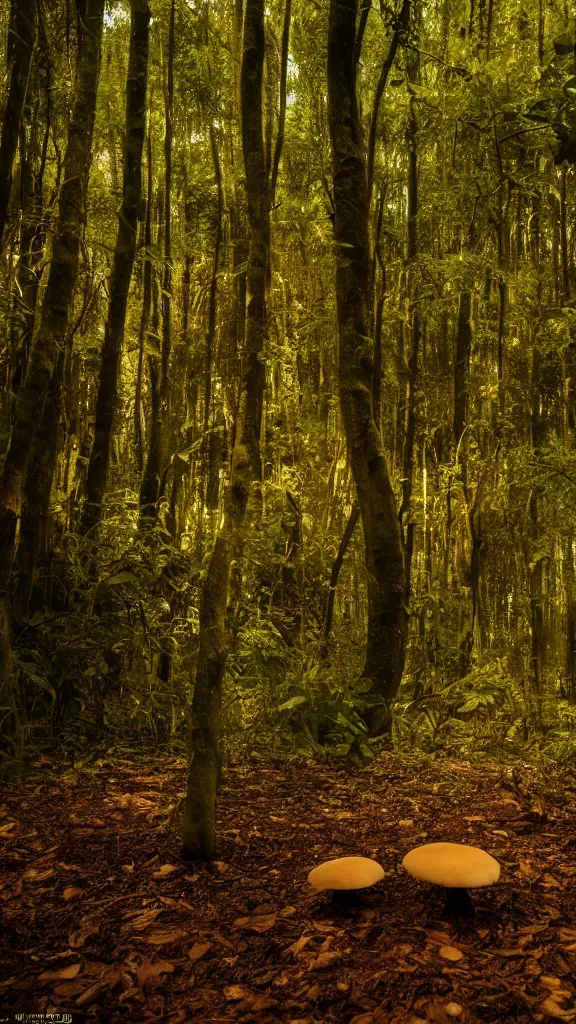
x: 154, y: 472
x: 21, y: 36
x: 334, y: 574
x: 199, y: 817
x: 125, y: 251
x: 462, y: 366
x: 387, y: 618
x: 50, y: 335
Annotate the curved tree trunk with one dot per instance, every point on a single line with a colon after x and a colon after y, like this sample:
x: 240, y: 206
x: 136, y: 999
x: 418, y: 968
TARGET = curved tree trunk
x: 199, y: 817
x: 21, y: 35
x: 387, y: 617
x: 107, y: 399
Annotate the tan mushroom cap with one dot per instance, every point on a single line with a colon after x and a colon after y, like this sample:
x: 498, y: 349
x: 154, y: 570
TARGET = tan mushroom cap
x: 346, y: 873
x: 453, y: 865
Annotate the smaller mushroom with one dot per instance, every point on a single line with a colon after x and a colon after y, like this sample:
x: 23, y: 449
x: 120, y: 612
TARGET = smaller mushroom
x: 455, y: 866
x: 344, y: 875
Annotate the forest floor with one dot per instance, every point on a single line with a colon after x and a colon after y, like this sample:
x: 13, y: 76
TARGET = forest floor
x: 103, y: 920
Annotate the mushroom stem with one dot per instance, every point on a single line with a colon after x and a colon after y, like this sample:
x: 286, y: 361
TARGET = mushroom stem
x: 345, y: 898
x: 458, y: 903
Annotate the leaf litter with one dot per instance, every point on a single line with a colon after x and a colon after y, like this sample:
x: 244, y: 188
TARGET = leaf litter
x: 104, y: 920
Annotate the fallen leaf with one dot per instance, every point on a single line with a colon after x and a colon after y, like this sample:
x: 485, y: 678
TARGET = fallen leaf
x: 162, y: 938
x: 235, y: 992
x: 324, y: 960
x: 164, y: 871
x: 313, y: 992
x: 221, y: 867
x: 362, y: 1018
x: 198, y: 950
x: 256, y: 923
x: 550, y: 1006
x: 296, y: 948
x: 442, y: 938
x: 65, y: 973
x: 78, y: 938
x: 450, y: 953
x: 262, y: 1002
x: 38, y: 876
x: 143, y: 920
x: 72, y: 892
x: 151, y: 969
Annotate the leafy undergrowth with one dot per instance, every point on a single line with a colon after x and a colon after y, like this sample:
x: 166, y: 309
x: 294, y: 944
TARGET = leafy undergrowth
x: 102, y: 919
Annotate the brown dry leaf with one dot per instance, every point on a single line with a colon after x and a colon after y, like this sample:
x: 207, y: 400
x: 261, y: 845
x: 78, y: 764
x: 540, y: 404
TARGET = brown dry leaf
x: 89, y: 993
x: 550, y: 1006
x: 262, y: 1002
x: 164, y: 871
x: 525, y: 868
x: 162, y: 938
x: 362, y: 1018
x: 313, y: 992
x: 221, y: 867
x: 296, y: 948
x: 198, y: 950
x: 38, y: 876
x: 151, y: 969
x: 510, y: 952
x: 143, y: 920
x: 256, y: 923
x: 287, y: 911
x: 549, y: 981
x: 235, y: 992
x: 551, y: 882
x: 450, y: 953
x: 406, y: 823
x: 72, y: 892
x: 442, y: 938
x: 66, y: 973
x: 87, y: 928
x: 69, y: 989
x: 566, y: 934
x: 324, y: 960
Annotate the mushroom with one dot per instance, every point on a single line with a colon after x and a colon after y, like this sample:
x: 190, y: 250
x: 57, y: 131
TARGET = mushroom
x: 345, y: 874
x: 455, y: 866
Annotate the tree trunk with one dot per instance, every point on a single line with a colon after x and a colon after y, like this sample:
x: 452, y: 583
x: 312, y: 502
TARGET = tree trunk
x: 334, y: 574
x: 199, y: 817
x: 50, y: 335
x: 21, y: 35
x: 154, y: 472
x: 462, y: 367
x: 111, y: 357
x: 415, y: 335
x: 387, y: 618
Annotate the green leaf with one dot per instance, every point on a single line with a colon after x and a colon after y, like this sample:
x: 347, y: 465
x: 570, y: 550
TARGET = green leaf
x: 294, y: 702
x: 121, y: 577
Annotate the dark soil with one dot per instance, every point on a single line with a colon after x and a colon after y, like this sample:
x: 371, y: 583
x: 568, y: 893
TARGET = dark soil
x: 101, y: 918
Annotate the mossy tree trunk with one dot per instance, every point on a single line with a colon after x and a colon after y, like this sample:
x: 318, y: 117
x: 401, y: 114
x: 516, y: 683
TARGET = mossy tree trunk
x: 387, y: 618
x: 125, y: 251
x: 199, y: 817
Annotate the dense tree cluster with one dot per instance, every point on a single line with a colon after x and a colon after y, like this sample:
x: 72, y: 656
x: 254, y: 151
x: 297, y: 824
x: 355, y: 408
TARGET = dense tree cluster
x: 270, y: 271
